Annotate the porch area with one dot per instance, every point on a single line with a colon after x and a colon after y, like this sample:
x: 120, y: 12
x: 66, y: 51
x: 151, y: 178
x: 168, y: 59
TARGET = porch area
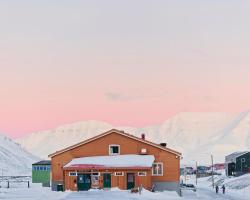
x: 122, y: 171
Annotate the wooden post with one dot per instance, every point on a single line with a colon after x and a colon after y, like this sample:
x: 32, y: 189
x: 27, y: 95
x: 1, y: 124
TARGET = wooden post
x: 196, y: 172
x: 212, y: 161
x: 185, y: 174
x: 8, y: 184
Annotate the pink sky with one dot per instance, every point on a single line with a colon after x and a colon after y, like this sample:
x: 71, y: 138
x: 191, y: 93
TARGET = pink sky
x: 123, y: 63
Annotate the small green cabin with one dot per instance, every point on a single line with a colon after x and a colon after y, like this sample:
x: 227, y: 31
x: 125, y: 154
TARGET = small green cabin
x: 41, y: 172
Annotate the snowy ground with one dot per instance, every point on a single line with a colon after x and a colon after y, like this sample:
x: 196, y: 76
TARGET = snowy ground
x: 204, y: 192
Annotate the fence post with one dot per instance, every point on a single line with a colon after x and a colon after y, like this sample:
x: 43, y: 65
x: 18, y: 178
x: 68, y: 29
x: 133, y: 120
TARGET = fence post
x: 8, y: 184
x: 28, y: 184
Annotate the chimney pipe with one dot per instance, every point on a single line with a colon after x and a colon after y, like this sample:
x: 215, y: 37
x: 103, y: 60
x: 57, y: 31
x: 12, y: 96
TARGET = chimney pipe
x: 143, y: 136
x: 163, y: 144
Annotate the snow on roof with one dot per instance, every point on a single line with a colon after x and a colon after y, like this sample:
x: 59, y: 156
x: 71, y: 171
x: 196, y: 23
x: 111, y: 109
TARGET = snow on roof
x: 232, y: 157
x: 43, y: 162
x: 117, y: 161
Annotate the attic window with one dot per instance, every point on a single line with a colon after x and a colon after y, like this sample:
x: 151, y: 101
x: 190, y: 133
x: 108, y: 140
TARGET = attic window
x: 114, y: 149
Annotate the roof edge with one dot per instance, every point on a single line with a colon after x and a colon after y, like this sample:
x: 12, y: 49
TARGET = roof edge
x: 121, y: 132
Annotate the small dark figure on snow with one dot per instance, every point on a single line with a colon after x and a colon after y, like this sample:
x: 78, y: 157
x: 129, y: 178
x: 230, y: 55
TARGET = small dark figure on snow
x: 153, y: 188
x: 223, y: 189
x: 217, y: 189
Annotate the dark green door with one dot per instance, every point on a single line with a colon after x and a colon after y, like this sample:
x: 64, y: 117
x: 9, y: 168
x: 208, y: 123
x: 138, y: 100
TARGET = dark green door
x: 83, y: 182
x: 130, y: 181
x: 107, y: 180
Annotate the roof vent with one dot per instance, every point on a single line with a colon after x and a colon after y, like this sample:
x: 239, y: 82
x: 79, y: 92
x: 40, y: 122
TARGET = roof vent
x: 143, y: 136
x: 163, y: 144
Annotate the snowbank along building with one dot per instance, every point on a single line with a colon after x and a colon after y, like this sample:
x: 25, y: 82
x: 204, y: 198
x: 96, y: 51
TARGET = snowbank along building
x: 116, y: 159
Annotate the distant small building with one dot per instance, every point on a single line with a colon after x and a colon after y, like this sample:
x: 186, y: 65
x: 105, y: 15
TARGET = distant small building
x: 189, y: 170
x: 219, y: 166
x: 41, y: 172
x: 202, y: 169
x: 237, y: 163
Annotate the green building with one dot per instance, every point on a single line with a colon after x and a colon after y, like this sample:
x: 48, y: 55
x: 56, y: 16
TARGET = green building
x: 238, y: 163
x: 41, y: 172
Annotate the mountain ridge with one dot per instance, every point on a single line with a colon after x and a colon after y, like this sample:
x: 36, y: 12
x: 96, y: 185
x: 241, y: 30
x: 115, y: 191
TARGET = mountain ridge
x: 14, y: 160
x: 196, y: 135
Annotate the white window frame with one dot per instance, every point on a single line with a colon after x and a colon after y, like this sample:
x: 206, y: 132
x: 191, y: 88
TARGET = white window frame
x: 70, y: 173
x: 114, y: 145
x: 95, y: 174
x: 157, y: 163
x: 119, y: 173
x: 142, y: 173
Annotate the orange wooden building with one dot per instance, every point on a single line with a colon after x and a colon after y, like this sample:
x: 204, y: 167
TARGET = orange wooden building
x: 116, y: 159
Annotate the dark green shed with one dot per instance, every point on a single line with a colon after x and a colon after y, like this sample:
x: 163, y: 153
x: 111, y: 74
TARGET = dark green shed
x: 238, y: 163
x: 243, y: 164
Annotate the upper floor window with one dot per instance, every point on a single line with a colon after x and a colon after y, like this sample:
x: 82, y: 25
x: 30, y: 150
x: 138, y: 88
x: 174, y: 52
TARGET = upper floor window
x: 41, y: 168
x: 114, y: 149
x: 157, y: 169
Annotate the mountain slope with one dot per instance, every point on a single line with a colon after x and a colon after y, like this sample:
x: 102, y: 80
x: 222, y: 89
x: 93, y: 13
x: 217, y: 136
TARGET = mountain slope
x: 14, y: 160
x: 196, y: 135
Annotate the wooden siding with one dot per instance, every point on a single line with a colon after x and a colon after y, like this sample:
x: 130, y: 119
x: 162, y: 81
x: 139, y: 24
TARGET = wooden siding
x: 100, y: 147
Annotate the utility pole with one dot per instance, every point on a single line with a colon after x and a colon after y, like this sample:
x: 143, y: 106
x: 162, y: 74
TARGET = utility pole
x: 196, y: 172
x: 185, y: 173
x: 212, y: 160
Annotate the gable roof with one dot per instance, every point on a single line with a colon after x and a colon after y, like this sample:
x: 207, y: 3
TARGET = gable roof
x: 120, y: 132
x: 43, y: 162
x: 233, y: 156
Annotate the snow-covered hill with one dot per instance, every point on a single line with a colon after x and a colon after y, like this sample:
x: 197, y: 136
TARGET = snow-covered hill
x: 196, y: 135
x: 14, y: 160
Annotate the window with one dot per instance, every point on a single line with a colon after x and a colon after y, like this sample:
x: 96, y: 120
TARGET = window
x: 72, y: 174
x: 41, y: 168
x: 157, y: 169
x: 142, y: 173
x: 95, y: 173
x: 119, y: 173
x: 243, y: 160
x: 114, y: 149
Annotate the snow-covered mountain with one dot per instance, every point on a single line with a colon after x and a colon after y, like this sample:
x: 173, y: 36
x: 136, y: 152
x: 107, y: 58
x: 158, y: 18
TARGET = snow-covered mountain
x: 196, y: 135
x: 14, y: 160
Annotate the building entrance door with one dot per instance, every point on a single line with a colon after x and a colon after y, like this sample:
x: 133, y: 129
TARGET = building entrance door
x: 83, y: 182
x: 107, y: 180
x: 130, y: 180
